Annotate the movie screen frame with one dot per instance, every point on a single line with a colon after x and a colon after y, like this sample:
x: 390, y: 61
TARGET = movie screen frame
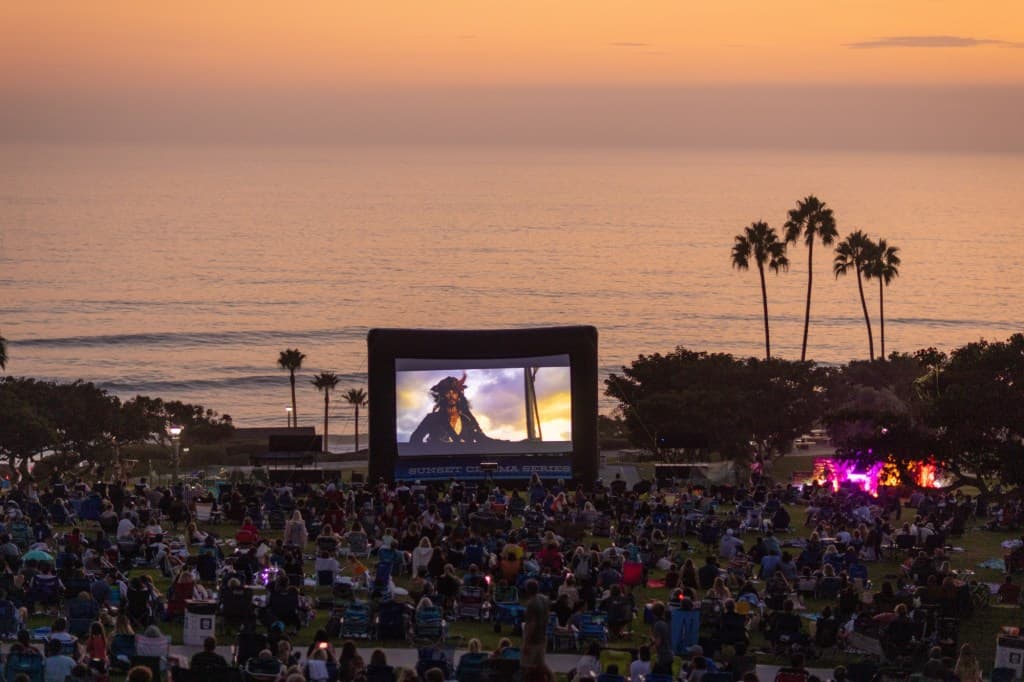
x: 391, y: 351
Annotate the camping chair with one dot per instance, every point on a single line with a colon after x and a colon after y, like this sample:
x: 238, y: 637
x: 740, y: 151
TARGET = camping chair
x: 380, y: 588
x: 122, y: 650
x: 45, y: 591
x: 428, y: 625
x: 593, y: 628
x: 236, y: 607
x: 472, y: 667
x: 471, y: 604
x: 632, y: 573
x: 248, y: 645
x: 358, y: 545
x: 560, y: 638
x: 357, y: 621
x: 81, y: 614
x: 30, y: 664
x: 262, y: 671
x: 389, y: 555
x: 507, y: 608
x: 9, y: 624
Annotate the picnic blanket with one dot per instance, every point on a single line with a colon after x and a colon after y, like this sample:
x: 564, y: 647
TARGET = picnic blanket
x: 994, y: 564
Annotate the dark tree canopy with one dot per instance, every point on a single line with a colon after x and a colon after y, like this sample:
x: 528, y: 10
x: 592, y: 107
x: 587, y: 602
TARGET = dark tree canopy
x: 731, y: 402
x: 80, y: 422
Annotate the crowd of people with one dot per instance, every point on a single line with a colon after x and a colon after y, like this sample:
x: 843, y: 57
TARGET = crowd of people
x: 561, y: 566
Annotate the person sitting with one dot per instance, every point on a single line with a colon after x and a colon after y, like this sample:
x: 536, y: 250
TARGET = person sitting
x: 901, y: 631
x: 785, y: 626
x: 732, y: 630
x: 619, y: 610
x: 1009, y: 592
x: 707, y: 573
x: 58, y: 664
x: 378, y: 670
x: 208, y: 657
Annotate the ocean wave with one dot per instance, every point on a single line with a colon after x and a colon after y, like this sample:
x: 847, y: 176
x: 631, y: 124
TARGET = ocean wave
x: 198, y: 338
x: 129, y: 386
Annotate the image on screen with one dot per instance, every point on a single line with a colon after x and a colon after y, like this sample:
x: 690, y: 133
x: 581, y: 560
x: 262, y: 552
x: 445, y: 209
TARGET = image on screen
x: 488, y: 407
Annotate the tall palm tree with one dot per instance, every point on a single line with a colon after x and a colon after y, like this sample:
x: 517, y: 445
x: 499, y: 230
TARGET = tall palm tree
x: 854, y: 253
x: 813, y: 220
x: 326, y: 382
x: 291, y: 360
x: 3, y: 353
x: 356, y: 397
x: 760, y: 242
x: 884, y: 265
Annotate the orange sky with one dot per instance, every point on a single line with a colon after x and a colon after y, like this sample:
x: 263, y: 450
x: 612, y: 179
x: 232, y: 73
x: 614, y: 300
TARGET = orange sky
x: 331, y: 44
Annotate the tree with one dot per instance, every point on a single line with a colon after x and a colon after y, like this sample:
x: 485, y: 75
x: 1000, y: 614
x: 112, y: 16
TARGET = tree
x: 814, y: 221
x: 978, y: 414
x: 728, y: 401
x: 884, y: 265
x: 356, y: 397
x: 3, y: 353
x: 762, y: 243
x: 853, y: 253
x: 326, y: 382
x: 291, y: 360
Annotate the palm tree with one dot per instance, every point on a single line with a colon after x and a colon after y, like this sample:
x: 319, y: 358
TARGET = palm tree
x: 884, y: 265
x: 356, y: 397
x: 291, y: 360
x: 326, y: 382
x: 760, y: 241
x: 814, y: 221
x: 854, y: 253
x: 3, y: 353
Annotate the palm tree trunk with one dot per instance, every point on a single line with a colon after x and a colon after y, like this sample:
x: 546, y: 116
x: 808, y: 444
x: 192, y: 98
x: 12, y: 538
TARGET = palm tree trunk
x: 867, y: 320
x: 881, y: 318
x: 295, y: 414
x: 764, y: 303
x: 357, y: 428
x: 807, y: 311
x: 327, y: 402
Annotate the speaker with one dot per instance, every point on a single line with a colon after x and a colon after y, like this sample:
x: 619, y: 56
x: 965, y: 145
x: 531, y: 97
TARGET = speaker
x: 679, y: 440
x: 304, y: 443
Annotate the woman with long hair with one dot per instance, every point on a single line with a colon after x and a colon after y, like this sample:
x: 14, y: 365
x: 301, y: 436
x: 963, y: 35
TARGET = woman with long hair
x: 295, y: 532
x: 968, y: 669
x: 350, y: 663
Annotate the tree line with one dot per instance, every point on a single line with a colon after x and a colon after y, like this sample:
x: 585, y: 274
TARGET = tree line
x: 813, y: 221
x: 79, y: 424
x: 963, y: 411
x: 291, y: 360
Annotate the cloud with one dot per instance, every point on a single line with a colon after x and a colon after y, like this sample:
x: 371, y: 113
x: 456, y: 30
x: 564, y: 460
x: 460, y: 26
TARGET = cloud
x: 630, y: 44
x: 929, y: 41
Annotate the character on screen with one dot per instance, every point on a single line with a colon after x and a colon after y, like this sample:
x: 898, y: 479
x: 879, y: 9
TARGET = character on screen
x: 450, y: 421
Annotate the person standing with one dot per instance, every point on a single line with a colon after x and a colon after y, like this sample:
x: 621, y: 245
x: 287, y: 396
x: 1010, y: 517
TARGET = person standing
x: 661, y: 639
x: 535, y: 635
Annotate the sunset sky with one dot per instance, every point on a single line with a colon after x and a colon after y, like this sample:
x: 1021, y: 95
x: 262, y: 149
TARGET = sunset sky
x: 332, y: 43
x: 69, y: 66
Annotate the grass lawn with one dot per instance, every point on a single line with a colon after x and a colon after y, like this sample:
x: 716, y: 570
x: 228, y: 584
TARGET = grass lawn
x: 981, y: 629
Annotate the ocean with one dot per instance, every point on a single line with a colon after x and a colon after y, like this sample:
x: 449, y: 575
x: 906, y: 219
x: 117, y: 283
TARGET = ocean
x: 181, y: 272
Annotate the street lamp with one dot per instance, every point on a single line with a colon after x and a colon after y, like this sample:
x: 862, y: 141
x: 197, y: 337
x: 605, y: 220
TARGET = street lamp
x: 175, y: 432
x: 288, y: 413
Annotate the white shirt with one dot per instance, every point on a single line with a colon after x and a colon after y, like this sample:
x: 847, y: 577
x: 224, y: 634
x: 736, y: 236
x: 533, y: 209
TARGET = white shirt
x: 638, y: 670
x: 124, y: 529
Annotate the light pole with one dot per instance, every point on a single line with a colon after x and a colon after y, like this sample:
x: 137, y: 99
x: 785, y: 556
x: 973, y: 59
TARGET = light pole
x: 288, y: 413
x: 175, y: 432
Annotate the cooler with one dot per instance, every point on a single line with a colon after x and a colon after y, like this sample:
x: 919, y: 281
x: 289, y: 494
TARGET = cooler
x: 200, y: 621
x: 1010, y: 654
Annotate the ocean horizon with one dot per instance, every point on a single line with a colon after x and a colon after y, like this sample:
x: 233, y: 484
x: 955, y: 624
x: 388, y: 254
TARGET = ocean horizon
x: 181, y: 272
